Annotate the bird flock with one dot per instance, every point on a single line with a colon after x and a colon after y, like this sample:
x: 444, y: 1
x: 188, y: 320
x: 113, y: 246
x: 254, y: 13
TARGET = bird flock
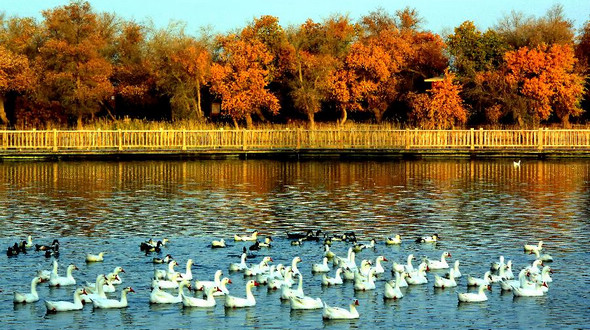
x: 169, y: 286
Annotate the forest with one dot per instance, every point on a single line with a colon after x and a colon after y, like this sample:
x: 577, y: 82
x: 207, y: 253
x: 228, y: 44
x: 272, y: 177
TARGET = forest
x: 78, y: 67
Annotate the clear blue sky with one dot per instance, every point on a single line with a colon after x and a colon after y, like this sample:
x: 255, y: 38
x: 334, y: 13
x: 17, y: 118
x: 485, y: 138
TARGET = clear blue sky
x: 225, y: 15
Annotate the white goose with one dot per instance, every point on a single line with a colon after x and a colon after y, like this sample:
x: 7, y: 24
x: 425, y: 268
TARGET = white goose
x: 336, y: 280
x: 439, y: 264
x: 457, y: 272
x: 277, y: 283
x: 535, y: 291
x: 56, y: 280
x: 114, y: 277
x: 113, y: 303
x: 46, y: 274
x: 238, y: 267
x: 162, y: 297
x: 218, y: 244
x: 408, y: 267
x: 343, y: 262
x: 163, y: 274
x: 107, y: 285
x: 508, y: 271
x: 369, y: 284
x: 294, y: 268
x: 392, y: 290
x: 188, y: 301
x: 321, y: 268
x: 167, y: 284
x: 64, y: 306
x: 500, y: 277
x: 327, y: 253
x: 402, y: 282
x: 287, y: 292
x: 545, y: 274
x: 246, y: 238
x: 442, y: 282
x: 33, y: 296
x: 264, y: 278
x: 378, y: 267
x: 89, y: 297
x: 188, y: 275
x: 507, y: 284
x: 495, y: 266
x: 534, y: 268
x: 305, y: 302
x: 479, y: 296
x: 545, y: 257
x: 262, y: 267
x: 222, y: 288
x: 338, y: 313
x: 201, y: 285
x: 95, y: 257
x: 474, y: 281
x: 351, y: 273
x: 418, y: 276
x: 532, y: 248
x: 235, y: 302
x: 394, y: 240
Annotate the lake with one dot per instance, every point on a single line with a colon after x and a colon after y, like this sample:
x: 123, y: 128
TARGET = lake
x: 481, y: 209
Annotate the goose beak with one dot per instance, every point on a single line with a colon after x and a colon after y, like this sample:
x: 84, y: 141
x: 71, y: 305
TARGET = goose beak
x: 131, y: 290
x: 385, y: 259
x: 356, y: 302
x: 229, y: 281
x: 256, y: 283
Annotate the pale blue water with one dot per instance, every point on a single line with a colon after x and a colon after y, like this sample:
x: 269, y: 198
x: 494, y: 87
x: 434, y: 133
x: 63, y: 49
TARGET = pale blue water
x: 481, y: 209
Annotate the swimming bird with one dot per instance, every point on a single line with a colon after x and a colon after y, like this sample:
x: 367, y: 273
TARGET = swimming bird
x: 218, y: 243
x: 95, y: 257
x: 238, y: 267
x: 113, y: 303
x: 428, y: 239
x: 33, y: 296
x: 188, y: 301
x: 246, y: 238
x: 321, y: 268
x: 161, y: 297
x: 441, y: 282
x: 338, y: 313
x: 336, y: 280
x: 164, y: 260
x: 64, y: 306
x: 56, y: 280
x: 305, y: 302
x: 392, y: 288
x: 475, y: 297
x: 235, y: 302
x: 532, y: 248
x: 439, y: 264
x: 396, y: 240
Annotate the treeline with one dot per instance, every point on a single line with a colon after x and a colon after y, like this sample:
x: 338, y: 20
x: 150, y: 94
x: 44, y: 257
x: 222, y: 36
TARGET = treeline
x: 77, y: 65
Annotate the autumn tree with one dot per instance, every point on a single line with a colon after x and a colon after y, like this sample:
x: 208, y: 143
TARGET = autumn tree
x: 16, y: 76
x: 583, y: 56
x: 441, y: 107
x: 240, y: 77
x: 545, y: 77
x: 74, y: 72
x: 181, y: 65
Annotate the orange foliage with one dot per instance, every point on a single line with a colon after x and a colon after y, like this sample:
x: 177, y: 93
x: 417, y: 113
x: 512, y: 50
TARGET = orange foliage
x: 240, y: 77
x: 440, y: 107
x: 545, y: 76
x: 15, y: 72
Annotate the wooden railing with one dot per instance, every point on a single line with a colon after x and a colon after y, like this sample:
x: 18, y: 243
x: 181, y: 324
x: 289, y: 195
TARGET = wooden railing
x: 290, y: 139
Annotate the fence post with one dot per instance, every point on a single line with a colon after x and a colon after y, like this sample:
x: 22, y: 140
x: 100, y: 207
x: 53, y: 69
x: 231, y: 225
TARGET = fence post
x: 243, y: 139
x: 54, y: 139
x: 472, y: 138
x: 298, y: 138
x: 120, y: 134
x: 407, y: 138
x: 481, y: 141
x: 540, y: 139
x: 183, y: 139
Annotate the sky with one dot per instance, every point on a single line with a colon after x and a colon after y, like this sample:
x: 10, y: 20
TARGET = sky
x: 225, y: 15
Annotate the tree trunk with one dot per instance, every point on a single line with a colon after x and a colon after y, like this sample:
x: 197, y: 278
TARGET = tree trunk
x: 343, y: 118
x: 3, y: 116
x: 236, y: 123
x: 565, y: 121
x: 249, y: 121
x: 311, y: 117
x: 79, y: 121
x: 199, y: 110
x: 260, y: 115
x: 378, y: 116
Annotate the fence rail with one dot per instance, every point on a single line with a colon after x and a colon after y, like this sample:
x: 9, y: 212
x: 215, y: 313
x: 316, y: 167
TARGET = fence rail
x: 55, y: 141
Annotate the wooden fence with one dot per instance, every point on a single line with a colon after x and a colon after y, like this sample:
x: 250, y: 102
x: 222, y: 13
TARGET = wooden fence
x: 56, y: 141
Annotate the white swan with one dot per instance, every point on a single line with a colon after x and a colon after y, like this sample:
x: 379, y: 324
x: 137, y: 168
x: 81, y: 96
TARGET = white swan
x: 287, y: 292
x: 188, y: 275
x: 321, y: 268
x: 393, y: 240
x: 33, y: 296
x: 246, y: 238
x: 442, y: 282
x: 305, y: 302
x: 238, y: 267
x: 218, y: 243
x: 338, y: 313
x: 475, y: 297
x: 532, y: 248
x: 392, y: 288
x: 201, y: 285
x: 113, y: 303
x: 439, y: 264
x: 474, y: 281
x: 56, y: 280
x: 188, y: 301
x: 235, y: 302
x: 336, y: 280
x: 64, y: 306
x: 95, y: 257
x: 369, y: 284
x: 161, y: 297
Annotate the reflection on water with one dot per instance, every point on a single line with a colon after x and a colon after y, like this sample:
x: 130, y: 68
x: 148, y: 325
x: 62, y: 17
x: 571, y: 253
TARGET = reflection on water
x: 481, y: 209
